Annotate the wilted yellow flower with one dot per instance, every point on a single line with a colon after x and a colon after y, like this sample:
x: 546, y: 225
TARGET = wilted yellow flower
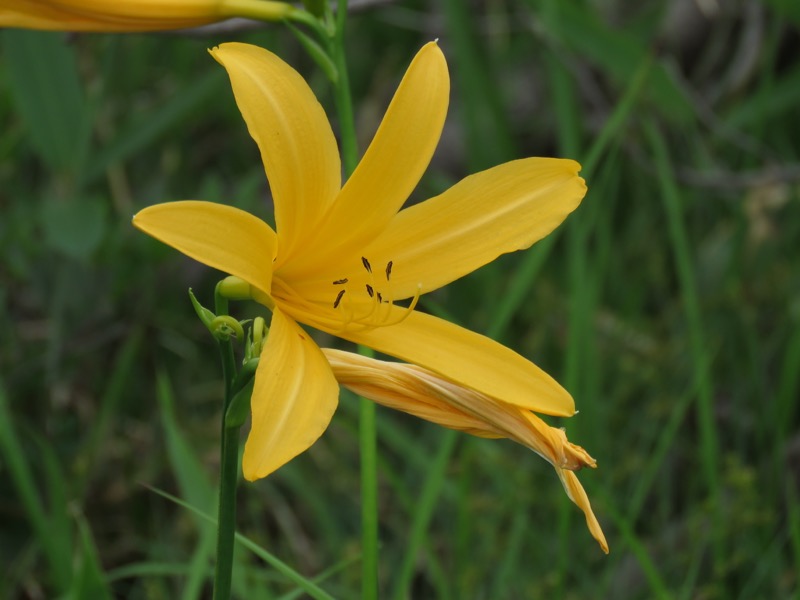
x: 422, y: 393
x: 344, y: 255
x: 133, y: 15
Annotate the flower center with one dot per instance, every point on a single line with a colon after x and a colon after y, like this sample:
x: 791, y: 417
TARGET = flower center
x: 358, y: 302
x: 374, y: 309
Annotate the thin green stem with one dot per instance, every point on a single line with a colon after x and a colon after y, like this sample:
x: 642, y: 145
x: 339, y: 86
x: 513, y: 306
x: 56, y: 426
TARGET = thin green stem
x: 369, y: 499
x: 342, y: 97
x: 229, y: 471
x: 703, y: 385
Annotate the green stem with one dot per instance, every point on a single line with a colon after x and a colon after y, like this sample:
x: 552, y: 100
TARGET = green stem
x: 366, y: 426
x: 342, y: 98
x: 703, y: 385
x: 229, y: 471
x: 369, y: 499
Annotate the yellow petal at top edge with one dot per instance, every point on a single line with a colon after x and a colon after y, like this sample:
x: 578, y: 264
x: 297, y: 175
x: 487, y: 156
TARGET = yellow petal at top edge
x: 390, y: 168
x: 298, y: 148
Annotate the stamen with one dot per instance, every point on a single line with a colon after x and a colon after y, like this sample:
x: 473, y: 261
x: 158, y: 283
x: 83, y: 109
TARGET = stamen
x: 410, y: 308
x: 351, y: 311
x: 361, y: 323
x: 366, y: 264
x: 338, y: 298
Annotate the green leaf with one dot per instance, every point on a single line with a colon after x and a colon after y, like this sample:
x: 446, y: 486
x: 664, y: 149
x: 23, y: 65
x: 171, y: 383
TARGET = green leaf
x: 12, y: 452
x: 89, y: 581
x: 192, y: 479
x: 618, y: 52
x: 789, y: 9
x: 46, y: 90
x: 239, y: 408
x: 192, y: 482
x: 141, y: 131
x: 74, y: 227
x: 315, y: 7
x: 317, y: 53
x: 311, y: 588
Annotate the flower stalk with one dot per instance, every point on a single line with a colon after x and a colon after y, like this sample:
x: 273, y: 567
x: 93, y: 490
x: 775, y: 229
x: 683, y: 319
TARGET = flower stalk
x: 229, y: 468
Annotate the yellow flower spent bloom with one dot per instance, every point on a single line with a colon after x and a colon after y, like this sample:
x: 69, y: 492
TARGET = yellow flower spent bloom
x: 133, y: 15
x: 422, y: 393
x: 343, y: 256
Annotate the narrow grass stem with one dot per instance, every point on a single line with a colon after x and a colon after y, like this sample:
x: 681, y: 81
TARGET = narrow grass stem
x: 703, y: 387
x: 369, y: 498
x: 342, y: 97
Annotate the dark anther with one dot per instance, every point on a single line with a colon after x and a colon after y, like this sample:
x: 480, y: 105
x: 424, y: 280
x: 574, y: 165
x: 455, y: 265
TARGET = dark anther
x: 388, y: 270
x: 366, y: 264
x: 338, y: 298
x: 370, y: 291
x: 340, y: 281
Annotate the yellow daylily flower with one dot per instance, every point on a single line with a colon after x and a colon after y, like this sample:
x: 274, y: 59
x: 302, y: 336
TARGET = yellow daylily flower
x: 133, y: 15
x: 343, y: 256
x: 424, y: 394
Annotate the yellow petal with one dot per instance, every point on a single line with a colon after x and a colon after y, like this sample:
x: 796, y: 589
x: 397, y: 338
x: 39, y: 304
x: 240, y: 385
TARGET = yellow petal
x: 578, y: 495
x: 294, y: 398
x: 393, y: 164
x: 296, y: 142
x: 220, y: 236
x: 424, y: 394
x: 468, y: 359
x: 506, y: 208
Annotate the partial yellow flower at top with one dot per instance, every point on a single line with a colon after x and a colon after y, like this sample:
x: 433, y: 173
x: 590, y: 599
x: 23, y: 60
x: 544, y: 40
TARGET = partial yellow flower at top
x: 343, y: 256
x: 133, y: 15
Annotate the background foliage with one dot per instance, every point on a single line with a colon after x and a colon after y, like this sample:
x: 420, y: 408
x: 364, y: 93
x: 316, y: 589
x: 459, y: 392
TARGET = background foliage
x: 669, y: 305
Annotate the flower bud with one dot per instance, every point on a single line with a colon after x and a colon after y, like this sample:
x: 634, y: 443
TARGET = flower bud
x: 234, y: 288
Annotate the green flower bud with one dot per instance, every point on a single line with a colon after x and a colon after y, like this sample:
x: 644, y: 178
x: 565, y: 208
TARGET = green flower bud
x: 225, y: 326
x: 234, y: 288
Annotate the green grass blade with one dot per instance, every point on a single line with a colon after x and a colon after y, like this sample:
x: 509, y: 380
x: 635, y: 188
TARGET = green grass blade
x: 793, y: 503
x: 423, y: 511
x: 488, y: 133
x: 788, y: 386
x: 89, y: 581
x: 617, y: 51
x: 22, y: 479
x: 193, y: 484
x: 192, y: 479
x: 658, y: 586
x: 307, y: 585
x: 514, y: 544
x: 681, y: 248
x: 117, y: 383
x: 59, y: 521
x: 47, y: 92
x: 523, y: 278
x: 136, y: 136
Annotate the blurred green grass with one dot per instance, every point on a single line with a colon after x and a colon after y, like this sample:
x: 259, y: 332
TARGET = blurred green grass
x: 668, y: 305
